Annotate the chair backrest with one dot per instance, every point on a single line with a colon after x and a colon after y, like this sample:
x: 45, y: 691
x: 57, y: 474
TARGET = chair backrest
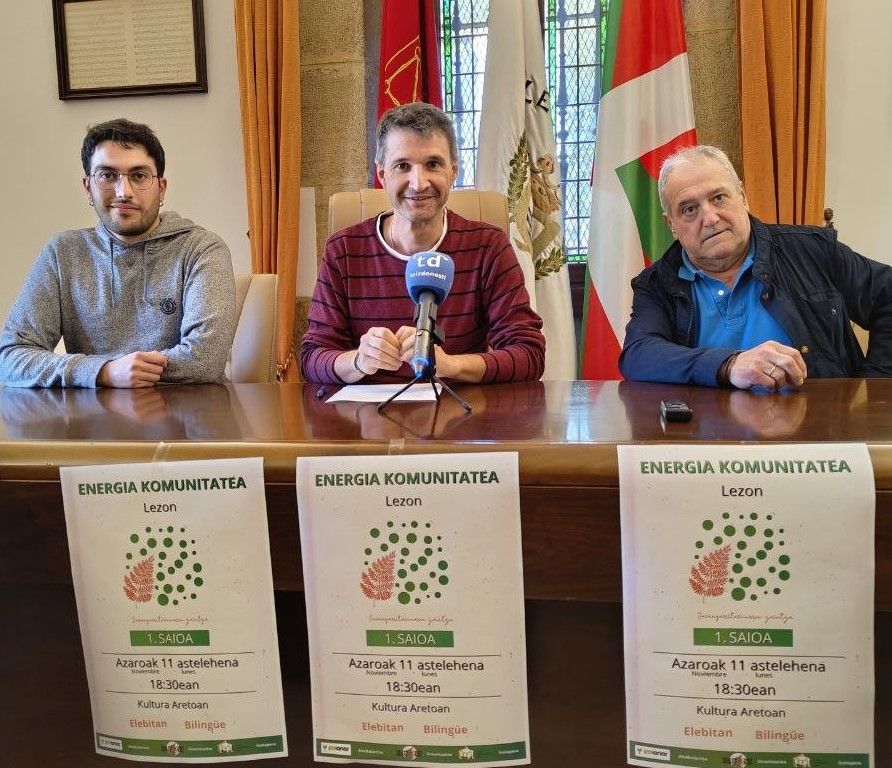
x: 863, y: 336
x: 348, y: 208
x: 253, y: 355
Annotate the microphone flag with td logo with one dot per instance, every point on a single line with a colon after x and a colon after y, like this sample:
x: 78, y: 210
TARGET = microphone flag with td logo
x: 429, y: 277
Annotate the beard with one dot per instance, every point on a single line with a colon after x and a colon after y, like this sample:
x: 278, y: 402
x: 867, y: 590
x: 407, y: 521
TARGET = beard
x: 136, y: 223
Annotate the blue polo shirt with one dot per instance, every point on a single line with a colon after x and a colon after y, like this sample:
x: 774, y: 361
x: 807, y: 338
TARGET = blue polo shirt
x: 735, y: 319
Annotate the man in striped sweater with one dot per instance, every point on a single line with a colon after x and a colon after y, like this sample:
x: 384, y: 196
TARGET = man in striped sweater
x: 360, y: 321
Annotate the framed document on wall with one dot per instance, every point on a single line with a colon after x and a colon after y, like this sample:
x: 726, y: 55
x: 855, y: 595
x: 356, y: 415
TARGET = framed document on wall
x: 129, y: 47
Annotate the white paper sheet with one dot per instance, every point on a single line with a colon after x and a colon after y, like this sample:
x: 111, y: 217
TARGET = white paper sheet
x: 378, y: 393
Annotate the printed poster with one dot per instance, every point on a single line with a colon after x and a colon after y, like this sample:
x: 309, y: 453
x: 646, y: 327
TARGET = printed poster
x: 414, y: 587
x: 171, y: 571
x: 748, y: 590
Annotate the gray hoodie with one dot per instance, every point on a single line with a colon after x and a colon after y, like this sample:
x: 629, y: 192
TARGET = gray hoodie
x: 173, y: 292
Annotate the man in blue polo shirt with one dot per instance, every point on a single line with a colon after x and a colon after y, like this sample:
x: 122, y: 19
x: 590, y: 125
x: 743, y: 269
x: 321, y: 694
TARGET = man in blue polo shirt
x: 735, y: 302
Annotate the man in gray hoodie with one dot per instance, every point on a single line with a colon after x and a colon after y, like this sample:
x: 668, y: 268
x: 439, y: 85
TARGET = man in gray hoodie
x: 142, y: 297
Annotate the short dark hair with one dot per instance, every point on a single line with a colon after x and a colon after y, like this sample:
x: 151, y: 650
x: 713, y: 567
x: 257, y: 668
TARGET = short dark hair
x: 423, y: 119
x: 124, y: 132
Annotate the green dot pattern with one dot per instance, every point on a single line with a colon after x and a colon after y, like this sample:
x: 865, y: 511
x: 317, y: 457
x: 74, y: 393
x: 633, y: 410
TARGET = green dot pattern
x: 412, y: 540
x: 174, y: 566
x: 759, y: 567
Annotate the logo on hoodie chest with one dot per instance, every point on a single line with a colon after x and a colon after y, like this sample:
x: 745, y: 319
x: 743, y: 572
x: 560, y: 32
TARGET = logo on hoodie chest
x: 168, y: 306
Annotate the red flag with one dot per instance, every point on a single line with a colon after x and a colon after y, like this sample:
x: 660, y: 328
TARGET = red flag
x: 410, y: 62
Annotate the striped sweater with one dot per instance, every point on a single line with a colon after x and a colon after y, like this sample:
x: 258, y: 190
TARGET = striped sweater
x: 361, y: 285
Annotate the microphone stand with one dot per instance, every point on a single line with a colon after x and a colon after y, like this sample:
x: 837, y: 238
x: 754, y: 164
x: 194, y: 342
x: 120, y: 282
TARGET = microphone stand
x: 429, y: 373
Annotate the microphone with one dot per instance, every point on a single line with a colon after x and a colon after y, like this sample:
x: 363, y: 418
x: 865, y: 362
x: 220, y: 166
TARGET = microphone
x: 429, y: 277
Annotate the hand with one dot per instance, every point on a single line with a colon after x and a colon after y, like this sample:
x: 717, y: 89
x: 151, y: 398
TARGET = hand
x: 770, y: 415
x: 444, y: 364
x: 379, y: 348
x: 138, y: 369
x: 405, y: 335
x: 142, y: 405
x: 461, y: 367
x: 770, y: 365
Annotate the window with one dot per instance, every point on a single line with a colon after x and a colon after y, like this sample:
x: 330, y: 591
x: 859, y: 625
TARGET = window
x: 574, y: 32
x: 464, y: 25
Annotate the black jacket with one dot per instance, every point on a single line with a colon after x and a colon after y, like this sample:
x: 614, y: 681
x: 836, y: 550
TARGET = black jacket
x: 814, y: 286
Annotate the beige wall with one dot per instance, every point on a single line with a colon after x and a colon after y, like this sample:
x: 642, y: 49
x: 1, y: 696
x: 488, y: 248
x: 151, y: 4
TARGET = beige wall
x: 41, y: 137
x: 859, y: 123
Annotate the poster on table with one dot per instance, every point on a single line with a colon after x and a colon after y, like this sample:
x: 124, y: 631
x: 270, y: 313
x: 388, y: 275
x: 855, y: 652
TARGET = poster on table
x: 748, y: 597
x: 171, y: 570
x: 414, y: 587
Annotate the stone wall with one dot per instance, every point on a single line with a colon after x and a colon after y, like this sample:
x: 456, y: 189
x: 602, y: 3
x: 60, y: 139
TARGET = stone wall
x: 334, y: 150
x: 711, y: 31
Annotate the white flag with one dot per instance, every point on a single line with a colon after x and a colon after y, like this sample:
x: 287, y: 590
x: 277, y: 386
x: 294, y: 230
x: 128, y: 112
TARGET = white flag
x: 516, y: 156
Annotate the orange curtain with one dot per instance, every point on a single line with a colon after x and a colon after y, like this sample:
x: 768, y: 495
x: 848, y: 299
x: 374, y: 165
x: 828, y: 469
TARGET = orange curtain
x: 268, y: 48
x: 782, y: 46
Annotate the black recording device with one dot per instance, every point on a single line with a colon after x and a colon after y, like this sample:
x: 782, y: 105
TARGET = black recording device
x: 675, y: 411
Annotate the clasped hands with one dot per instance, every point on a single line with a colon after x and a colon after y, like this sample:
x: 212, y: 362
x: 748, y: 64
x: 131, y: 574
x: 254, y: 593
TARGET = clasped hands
x: 770, y: 365
x: 383, y: 349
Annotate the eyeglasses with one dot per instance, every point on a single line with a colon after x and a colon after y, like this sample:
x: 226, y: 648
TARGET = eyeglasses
x: 108, y: 178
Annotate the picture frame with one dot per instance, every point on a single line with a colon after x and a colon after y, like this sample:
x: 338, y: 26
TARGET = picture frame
x: 129, y: 47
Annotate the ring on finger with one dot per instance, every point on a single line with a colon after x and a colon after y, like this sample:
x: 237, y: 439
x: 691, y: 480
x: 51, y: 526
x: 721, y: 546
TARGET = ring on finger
x: 770, y: 371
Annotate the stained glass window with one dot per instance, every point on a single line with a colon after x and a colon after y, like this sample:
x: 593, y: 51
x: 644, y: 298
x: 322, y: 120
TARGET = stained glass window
x: 463, y: 27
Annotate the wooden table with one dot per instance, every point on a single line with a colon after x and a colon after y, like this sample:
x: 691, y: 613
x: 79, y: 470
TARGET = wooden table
x: 565, y: 434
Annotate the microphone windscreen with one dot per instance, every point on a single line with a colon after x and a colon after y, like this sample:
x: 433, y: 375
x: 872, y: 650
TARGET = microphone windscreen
x: 429, y: 271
